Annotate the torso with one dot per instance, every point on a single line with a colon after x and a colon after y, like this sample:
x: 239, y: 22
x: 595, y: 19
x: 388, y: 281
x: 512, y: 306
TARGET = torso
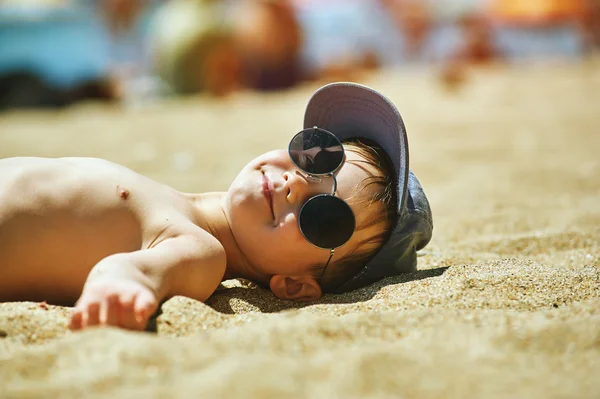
x: 59, y: 217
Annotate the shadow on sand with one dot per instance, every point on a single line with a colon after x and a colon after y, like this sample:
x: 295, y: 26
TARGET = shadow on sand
x: 264, y: 300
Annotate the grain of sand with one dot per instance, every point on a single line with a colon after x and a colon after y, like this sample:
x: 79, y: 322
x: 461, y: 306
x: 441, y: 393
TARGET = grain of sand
x: 506, y: 302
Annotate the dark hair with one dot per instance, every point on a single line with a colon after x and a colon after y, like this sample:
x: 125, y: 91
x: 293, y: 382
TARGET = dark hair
x: 385, y: 199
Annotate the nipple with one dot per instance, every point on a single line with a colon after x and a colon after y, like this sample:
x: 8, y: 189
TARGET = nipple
x: 123, y: 192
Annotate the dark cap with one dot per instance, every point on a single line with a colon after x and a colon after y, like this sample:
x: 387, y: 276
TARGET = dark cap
x: 350, y: 110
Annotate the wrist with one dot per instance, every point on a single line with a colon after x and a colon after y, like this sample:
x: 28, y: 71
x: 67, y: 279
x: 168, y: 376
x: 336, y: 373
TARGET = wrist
x: 115, y: 267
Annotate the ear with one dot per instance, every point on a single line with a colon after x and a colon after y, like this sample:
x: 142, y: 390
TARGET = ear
x: 297, y: 288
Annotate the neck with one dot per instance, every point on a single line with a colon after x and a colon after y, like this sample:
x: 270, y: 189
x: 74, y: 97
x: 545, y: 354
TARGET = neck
x: 210, y: 215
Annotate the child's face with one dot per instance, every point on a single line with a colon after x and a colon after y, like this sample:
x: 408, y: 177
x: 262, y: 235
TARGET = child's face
x: 270, y: 237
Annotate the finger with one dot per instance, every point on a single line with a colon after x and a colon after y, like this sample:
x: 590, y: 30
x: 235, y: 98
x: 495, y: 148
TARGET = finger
x: 76, y: 320
x: 145, y: 305
x: 126, y: 313
x: 93, y: 314
x: 111, y: 317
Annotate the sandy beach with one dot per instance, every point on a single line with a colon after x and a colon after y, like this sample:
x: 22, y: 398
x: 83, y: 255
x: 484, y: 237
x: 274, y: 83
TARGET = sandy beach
x: 505, y: 304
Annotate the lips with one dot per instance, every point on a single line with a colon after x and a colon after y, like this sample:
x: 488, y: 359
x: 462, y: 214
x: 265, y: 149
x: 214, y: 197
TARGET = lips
x: 267, y: 189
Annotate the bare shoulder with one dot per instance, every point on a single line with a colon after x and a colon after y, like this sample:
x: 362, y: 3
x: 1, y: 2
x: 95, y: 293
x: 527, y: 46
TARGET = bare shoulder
x: 73, y: 183
x: 57, y: 176
x: 17, y: 169
x: 38, y: 164
x: 200, y: 261
x: 205, y: 245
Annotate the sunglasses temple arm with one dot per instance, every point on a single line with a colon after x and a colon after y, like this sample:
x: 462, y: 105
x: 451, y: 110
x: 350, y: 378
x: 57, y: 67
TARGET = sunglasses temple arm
x: 327, y: 264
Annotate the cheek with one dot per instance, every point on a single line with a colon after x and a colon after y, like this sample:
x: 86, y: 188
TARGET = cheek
x: 237, y: 199
x: 242, y: 207
x: 290, y: 231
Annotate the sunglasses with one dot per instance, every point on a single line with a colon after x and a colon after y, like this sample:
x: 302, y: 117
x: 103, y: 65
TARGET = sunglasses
x: 326, y: 221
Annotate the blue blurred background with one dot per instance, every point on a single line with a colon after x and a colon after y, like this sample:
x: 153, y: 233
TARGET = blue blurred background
x: 56, y: 53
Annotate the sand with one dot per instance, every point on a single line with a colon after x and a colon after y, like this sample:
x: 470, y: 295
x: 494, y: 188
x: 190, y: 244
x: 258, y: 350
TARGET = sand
x: 506, y: 302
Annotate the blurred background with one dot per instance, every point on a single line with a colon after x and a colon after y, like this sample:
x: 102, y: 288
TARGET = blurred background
x: 501, y: 101
x: 54, y: 53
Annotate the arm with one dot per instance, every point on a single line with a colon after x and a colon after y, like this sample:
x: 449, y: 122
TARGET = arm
x: 191, y: 265
x: 124, y: 289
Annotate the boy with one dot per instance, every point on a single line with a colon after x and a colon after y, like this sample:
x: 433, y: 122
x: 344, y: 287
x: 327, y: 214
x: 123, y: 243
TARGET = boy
x: 301, y: 221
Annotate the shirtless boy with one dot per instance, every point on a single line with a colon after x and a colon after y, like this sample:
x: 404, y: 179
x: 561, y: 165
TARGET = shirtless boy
x: 318, y: 217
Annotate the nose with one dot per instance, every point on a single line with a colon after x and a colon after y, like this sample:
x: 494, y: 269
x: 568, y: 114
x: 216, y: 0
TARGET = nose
x: 297, y: 186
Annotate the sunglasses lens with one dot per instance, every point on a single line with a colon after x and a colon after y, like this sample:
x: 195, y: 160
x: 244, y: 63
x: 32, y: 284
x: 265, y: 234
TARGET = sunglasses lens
x: 316, y: 151
x: 326, y: 221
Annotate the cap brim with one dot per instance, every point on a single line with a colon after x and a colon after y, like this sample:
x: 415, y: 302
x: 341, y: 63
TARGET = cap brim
x: 351, y: 110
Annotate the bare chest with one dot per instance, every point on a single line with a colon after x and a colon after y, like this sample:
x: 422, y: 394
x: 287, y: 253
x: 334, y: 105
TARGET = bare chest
x: 69, y: 216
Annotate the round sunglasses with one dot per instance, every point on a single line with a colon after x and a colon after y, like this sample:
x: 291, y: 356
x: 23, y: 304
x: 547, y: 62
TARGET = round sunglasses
x: 326, y: 221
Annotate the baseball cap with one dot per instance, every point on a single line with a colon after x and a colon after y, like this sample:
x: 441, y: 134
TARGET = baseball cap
x: 351, y: 110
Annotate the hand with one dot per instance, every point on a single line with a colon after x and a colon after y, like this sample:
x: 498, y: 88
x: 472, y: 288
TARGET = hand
x: 116, y: 302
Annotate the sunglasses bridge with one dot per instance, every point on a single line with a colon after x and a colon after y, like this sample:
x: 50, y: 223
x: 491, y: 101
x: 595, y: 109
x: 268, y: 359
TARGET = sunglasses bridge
x: 317, y: 178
